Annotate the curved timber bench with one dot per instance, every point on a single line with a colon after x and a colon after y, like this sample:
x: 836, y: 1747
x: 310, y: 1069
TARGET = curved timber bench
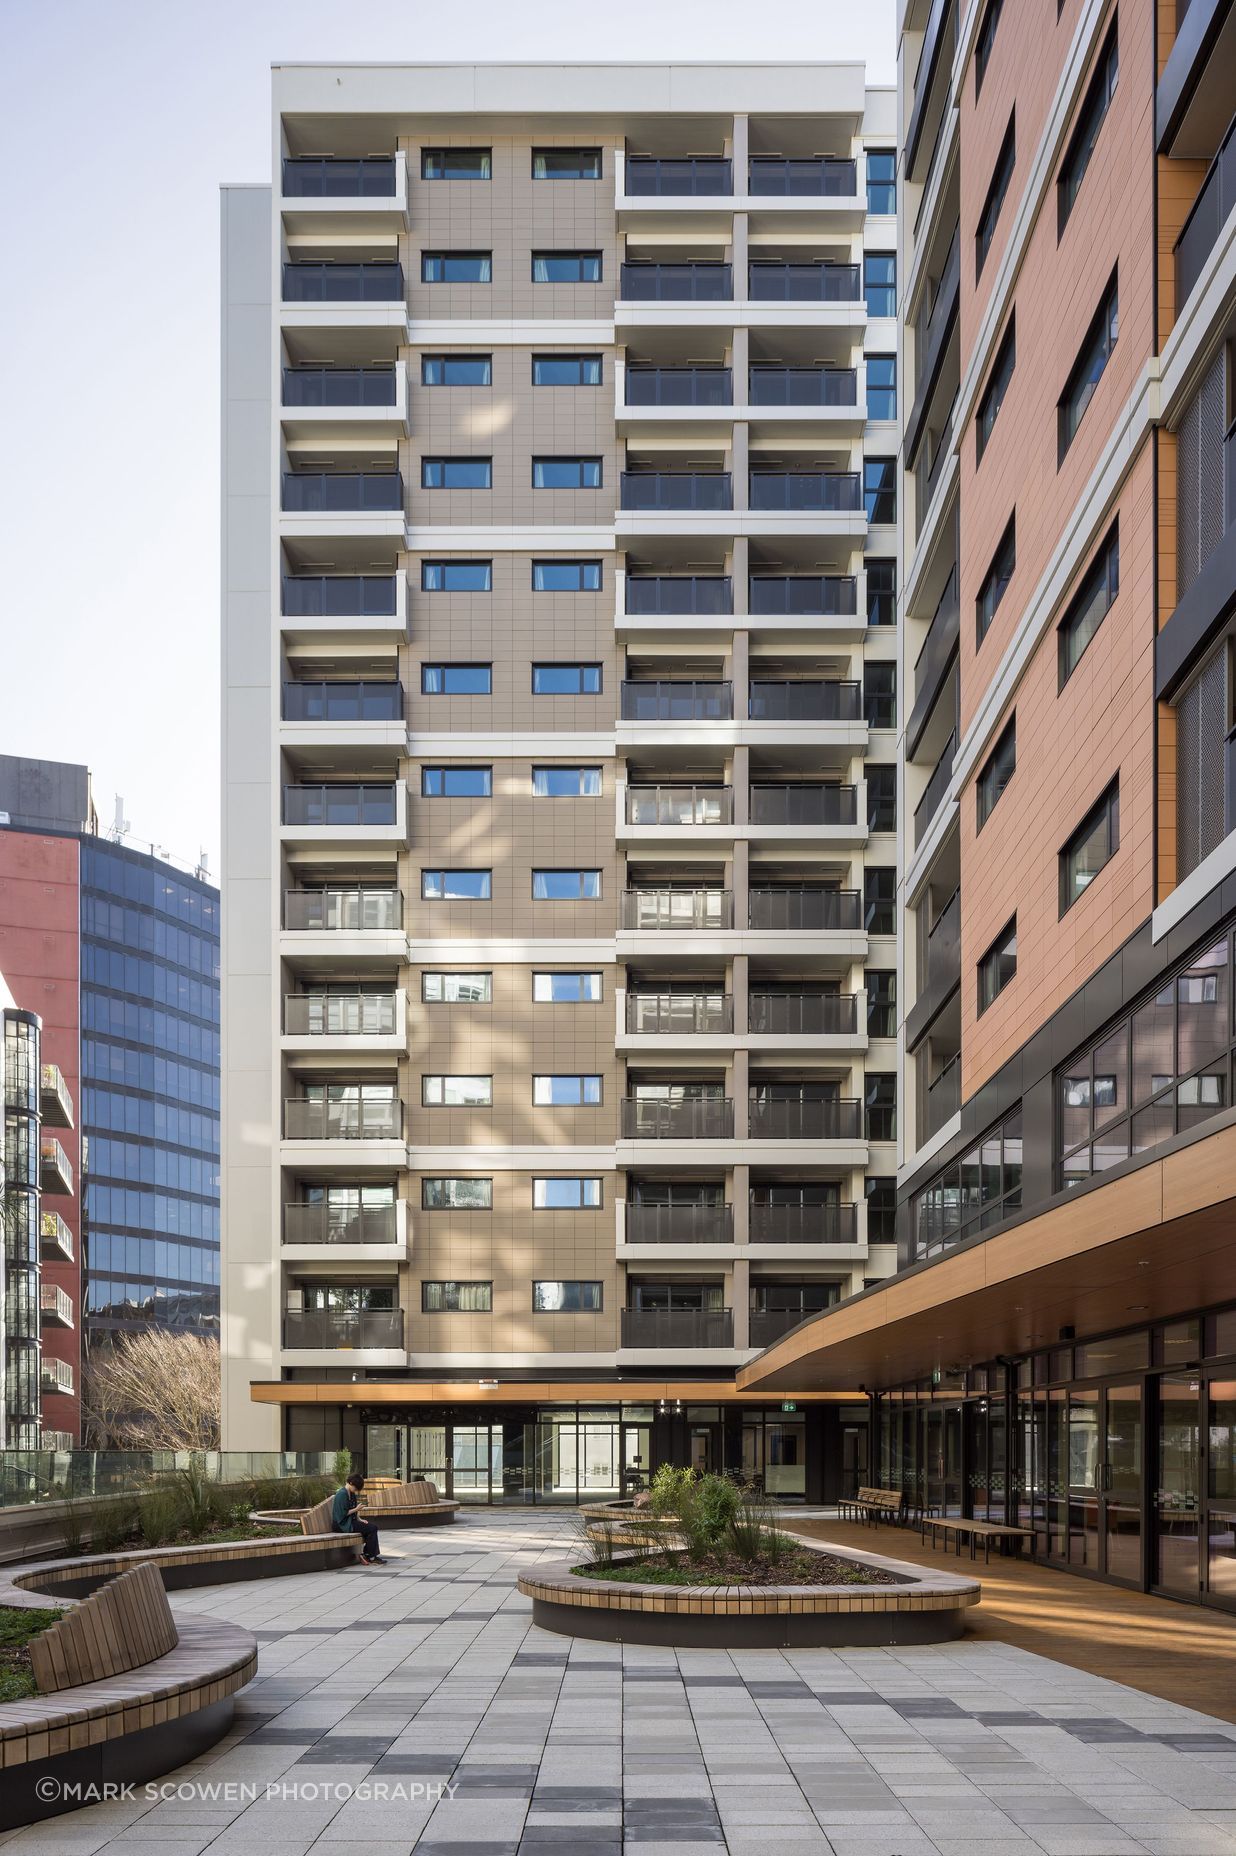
x: 205, y: 1564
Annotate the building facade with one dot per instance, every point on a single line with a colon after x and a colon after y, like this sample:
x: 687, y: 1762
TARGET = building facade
x: 560, y: 685
x: 1059, y: 1348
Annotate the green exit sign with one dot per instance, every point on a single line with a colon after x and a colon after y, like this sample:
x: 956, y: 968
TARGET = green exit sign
x: 787, y: 1404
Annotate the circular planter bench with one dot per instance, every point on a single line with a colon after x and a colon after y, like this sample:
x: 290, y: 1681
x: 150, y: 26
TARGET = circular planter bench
x: 922, y: 1607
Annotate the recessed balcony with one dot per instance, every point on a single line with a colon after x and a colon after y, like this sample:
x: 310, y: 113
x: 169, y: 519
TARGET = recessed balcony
x: 813, y: 804
x: 342, y: 700
x: 810, y: 177
x: 709, y: 1118
x: 934, y: 793
x: 361, y: 608
x: 813, y: 1014
x: 832, y: 1223
x: 678, y: 1223
x: 344, y: 910
x: 677, y: 1329
x: 804, y: 700
x: 805, y: 908
x: 343, y: 1019
x: 342, y: 284
x: 351, y: 1119
x: 345, y: 812
x: 811, y: 492
x: 778, y: 280
x: 55, y: 1238
x: 677, y: 177
x: 781, y: 399
x: 324, y: 1226
x: 335, y: 177
x: 340, y: 197
x: 773, y: 386
x: 802, y: 595
x: 325, y: 492
x: 680, y: 700
x: 1208, y: 215
x: 835, y: 1118
x: 681, y: 283
x: 56, y: 1377
x: 679, y: 1014
x: 55, y: 1167
x: 673, y: 595
x: 710, y: 387
x: 661, y: 492
x: 328, y: 402
x: 55, y: 1102
x: 55, y: 1306
x: 685, y: 911
x: 374, y: 1330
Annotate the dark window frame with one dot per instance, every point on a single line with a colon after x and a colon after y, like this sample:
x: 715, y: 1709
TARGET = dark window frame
x: 1102, y: 575
x: 997, y: 193
x: 994, y: 394
x: 571, y: 1282
x: 456, y: 1283
x: 480, y: 768
x: 576, y: 153
x: 987, y: 794
x: 430, y: 154
x: 441, y: 458
x: 1089, y: 126
x: 989, y: 967
x: 984, y: 41
x: 568, y: 664
x: 1106, y: 811
x: 995, y: 582
x: 1097, y: 348
x: 456, y: 665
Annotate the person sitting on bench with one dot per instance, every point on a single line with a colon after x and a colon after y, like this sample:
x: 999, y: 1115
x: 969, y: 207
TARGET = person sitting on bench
x: 345, y: 1518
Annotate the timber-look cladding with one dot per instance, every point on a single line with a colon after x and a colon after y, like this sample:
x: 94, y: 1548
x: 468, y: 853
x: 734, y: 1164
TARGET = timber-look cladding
x: 126, y: 1623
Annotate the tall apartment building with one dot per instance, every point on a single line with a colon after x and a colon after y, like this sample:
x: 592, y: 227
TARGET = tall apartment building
x: 560, y: 763
x: 1059, y: 1347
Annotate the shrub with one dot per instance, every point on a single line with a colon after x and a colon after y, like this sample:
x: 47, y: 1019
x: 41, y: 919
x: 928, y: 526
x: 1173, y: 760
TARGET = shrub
x: 343, y: 1465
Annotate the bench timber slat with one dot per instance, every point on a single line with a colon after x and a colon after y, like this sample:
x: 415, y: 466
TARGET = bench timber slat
x: 958, y: 1528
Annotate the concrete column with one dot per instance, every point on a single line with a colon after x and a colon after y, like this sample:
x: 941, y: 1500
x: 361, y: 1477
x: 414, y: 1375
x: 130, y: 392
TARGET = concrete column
x: 739, y: 1183
x: 739, y: 465
x: 740, y: 676
x: 738, y: 1091
x: 740, y: 149
x: 740, y: 1292
x: 738, y: 257
x: 739, y: 988
x: 740, y: 359
x: 739, y: 880
x: 740, y: 776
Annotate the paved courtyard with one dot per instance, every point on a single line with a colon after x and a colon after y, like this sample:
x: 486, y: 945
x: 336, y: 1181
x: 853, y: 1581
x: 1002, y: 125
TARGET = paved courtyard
x: 414, y: 1707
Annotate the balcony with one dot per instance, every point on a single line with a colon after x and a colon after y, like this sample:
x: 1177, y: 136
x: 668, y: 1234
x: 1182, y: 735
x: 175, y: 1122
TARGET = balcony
x: 806, y: 908
x: 331, y: 388
x: 803, y: 1014
x: 679, y: 595
x: 939, y: 970
x: 773, y: 1119
x: 324, y: 492
x: 55, y: 1306
x: 933, y: 455
x: 379, y: 281
x: 679, y: 1224
x: 341, y: 1014
x: 348, y: 1330
x: 677, y: 702
x: 687, y: 910
x: 347, y: 805
x: 935, y: 63
x: 801, y: 803
x: 678, y: 177
x: 55, y: 1102
x: 644, y: 1119
x: 55, y: 1376
x: 676, y: 490
x: 773, y: 385
x: 943, y: 1098
x: 677, y: 1328
x: 339, y: 596
x: 776, y: 281
x: 936, y: 788
x: 803, y: 177
x: 680, y: 805
x: 803, y: 1224
x: 679, y: 386
x: 345, y: 701
x: 346, y: 911
x: 802, y: 595
x: 55, y: 1167
x: 679, y: 1014
x: 932, y: 344
x: 708, y: 282
x: 1210, y: 213
x: 55, y: 1238
x: 332, y: 177
x: 935, y: 660
x: 333, y: 1224
x: 803, y: 701
x: 820, y: 492
x: 341, y: 1121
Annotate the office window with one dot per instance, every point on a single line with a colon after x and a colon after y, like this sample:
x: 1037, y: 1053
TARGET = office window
x: 881, y: 1196
x: 984, y: 42
x: 1090, y: 604
x: 456, y: 370
x: 1093, y: 844
x: 995, y: 390
x: 566, y: 164
x: 1087, y: 371
x: 566, y: 885
x: 1099, y: 93
x: 880, y: 282
x: 456, y: 679
x: 880, y: 899
x: 456, y: 267
x: 457, y: 782
x: 566, y: 988
x: 566, y: 1298
x: 880, y: 489
x: 457, y: 1195
x: 566, y: 370
x: 566, y: 473
x: 566, y: 267
x: 880, y: 694
x: 881, y: 985
x: 566, y: 576
x: 566, y: 679
x: 882, y: 181
x: 456, y: 885
x: 457, y: 1091
x: 457, y: 1298
x: 1002, y: 174
x: 457, y: 473
x: 457, y: 988
x: 455, y: 164
x: 997, y: 966
x: 881, y: 797
x: 881, y: 386
x: 555, y: 1194
x: 997, y: 771
x: 566, y: 782
x: 566, y: 1091
x: 995, y: 580
x: 971, y: 1194
x: 880, y: 1107
x: 457, y: 576
x: 881, y: 592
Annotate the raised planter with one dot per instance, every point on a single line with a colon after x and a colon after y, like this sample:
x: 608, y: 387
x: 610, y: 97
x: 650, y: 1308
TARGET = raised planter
x: 203, y: 1564
x: 922, y: 1607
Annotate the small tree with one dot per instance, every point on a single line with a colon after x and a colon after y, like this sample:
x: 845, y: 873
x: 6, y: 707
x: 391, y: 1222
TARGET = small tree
x: 154, y: 1390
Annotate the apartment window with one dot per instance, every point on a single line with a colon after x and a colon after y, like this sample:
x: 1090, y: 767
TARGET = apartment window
x: 880, y: 490
x: 997, y: 966
x: 997, y: 771
x: 1095, y: 105
x: 566, y: 164
x: 881, y: 592
x: 880, y: 1107
x: 566, y: 1091
x: 566, y: 370
x: 457, y: 782
x: 1093, y: 844
x: 566, y: 679
x: 881, y: 985
x: 1205, y: 759
x: 995, y: 580
x: 566, y: 885
x: 457, y: 988
x: 457, y: 473
x: 566, y: 267
x: 1096, y: 352
x: 456, y: 370
x: 566, y: 473
x: 566, y: 988
x: 881, y: 386
x: 984, y: 42
x: 566, y: 782
x: 457, y: 1091
x: 455, y: 164
x: 981, y: 1189
x: 566, y: 1298
x: 456, y: 679
x: 456, y: 267
x: 457, y: 576
x: 457, y: 1195
x: 881, y: 797
x: 882, y: 181
x: 998, y: 187
x: 456, y: 885
x: 558, y: 1194
x: 881, y: 1196
x: 1090, y: 605
x: 880, y: 899
x: 880, y: 282
x: 880, y: 694
x: 566, y: 576
x: 995, y: 390
x: 457, y: 1298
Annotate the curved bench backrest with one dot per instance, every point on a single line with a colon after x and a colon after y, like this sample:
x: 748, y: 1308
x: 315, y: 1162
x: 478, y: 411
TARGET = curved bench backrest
x: 124, y: 1624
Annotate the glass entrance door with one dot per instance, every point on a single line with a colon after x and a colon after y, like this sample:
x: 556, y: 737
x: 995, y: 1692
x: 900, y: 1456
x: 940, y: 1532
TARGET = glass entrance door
x: 1105, y: 1481
x: 1221, y: 1491
x: 1177, y: 1492
x: 476, y: 1461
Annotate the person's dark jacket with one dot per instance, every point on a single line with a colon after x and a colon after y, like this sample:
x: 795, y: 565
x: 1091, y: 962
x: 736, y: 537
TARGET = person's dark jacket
x: 343, y: 1510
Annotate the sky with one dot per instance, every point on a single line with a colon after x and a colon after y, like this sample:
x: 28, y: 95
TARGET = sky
x: 120, y: 120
